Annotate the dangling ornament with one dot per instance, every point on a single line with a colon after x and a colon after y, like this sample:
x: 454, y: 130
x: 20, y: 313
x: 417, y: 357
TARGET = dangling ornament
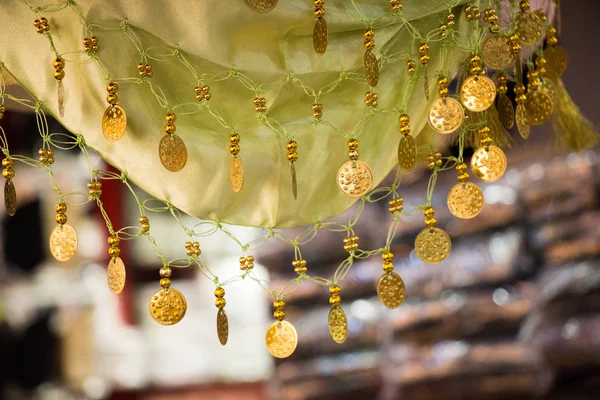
x: 390, y: 287
x: 337, y: 321
x: 114, y: 120
x: 424, y: 60
x: 465, y: 199
x: 506, y: 110
x: 10, y: 194
x: 528, y: 25
x: 557, y: 58
x: 370, y: 61
x: 222, y: 321
x: 477, y: 92
x: 488, y: 162
x: 432, y: 244
x: 445, y: 114
x: 292, y: 157
x: 172, y: 150
x: 354, y: 178
x: 63, y: 239
x: 116, y: 269
x: 236, y: 169
x: 539, y: 104
x: 59, y: 75
x: 320, y: 29
x: 407, y: 148
x: 168, y: 305
x: 281, y: 338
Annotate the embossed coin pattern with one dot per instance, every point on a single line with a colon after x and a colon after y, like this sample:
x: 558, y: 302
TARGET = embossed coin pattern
x: 407, y: 153
x: 539, y: 107
x: 506, y: 111
x: 114, y: 123
x: 478, y: 93
x: 496, y: 52
x: 522, y: 125
x: 63, y: 242
x: 320, y: 36
x: 10, y: 197
x: 281, y: 339
x: 355, y: 180
x: 445, y: 115
x: 557, y: 61
x: 391, y: 290
x: 433, y: 245
x: 488, y: 164
x: 465, y: 200
x: 262, y: 5
x: 222, y: 327
x: 172, y: 152
x: 338, y: 324
x: 167, y: 306
x: 116, y: 275
x: 236, y: 174
x: 549, y: 88
x: 529, y: 27
x: 371, y: 68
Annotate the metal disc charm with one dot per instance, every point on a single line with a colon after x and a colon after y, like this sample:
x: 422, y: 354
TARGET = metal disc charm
x: 539, y: 107
x: 465, y: 200
x: 338, y: 324
x: 10, y: 197
x: 294, y: 180
x: 549, y: 88
x: 496, y: 52
x: 522, y: 125
x: 445, y: 115
x: 433, y: 245
x: 320, y: 36
x: 236, y: 174
x: 557, y: 60
x: 407, y: 153
x: 506, y: 111
x: 371, y: 68
x: 114, y: 123
x: 222, y: 327
x: 116, y: 275
x: 167, y: 306
x: 63, y: 242
x: 391, y: 290
x: 355, y: 178
x: 172, y: 152
x: 478, y: 93
x: 529, y: 27
x: 488, y: 164
x: 281, y: 339
x: 262, y: 6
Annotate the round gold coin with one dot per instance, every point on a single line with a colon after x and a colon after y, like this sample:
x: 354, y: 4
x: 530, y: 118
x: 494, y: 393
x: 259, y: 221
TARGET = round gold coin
x: 172, y: 152
x: 338, y: 324
x: 496, y: 52
x: 63, y: 242
x: 371, y: 68
x: 445, y: 115
x: 391, y: 290
x: 488, y: 164
x: 522, y: 125
x: 407, y: 153
x: 167, y: 306
x: 281, y: 339
x: 549, y: 88
x: 478, y: 93
x: 262, y: 5
x: 236, y: 174
x: 114, y: 123
x: 506, y: 111
x: 557, y: 60
x: 320, y: 36
x: 465, y: 200
x: 539, y: 107
x: 355, y: 178
x: 10, y: 197
x: 116, y: 275
x: 222, y: 327
x: 528, y: 27
x: 433, y: 245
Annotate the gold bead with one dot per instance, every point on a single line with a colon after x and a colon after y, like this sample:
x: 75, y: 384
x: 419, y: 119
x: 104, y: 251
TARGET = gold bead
x: 234, y: 149
x: 353, y: 144
x: 424, y: 59
x: 388, y: 266
x: 292, y: 157
x: 8, y: 173
x: 319, y: 12
x: 234, y: 138
x: 61, y: 218
x: 170, y: 129
x: 165, y: 272
x: 145, y: 227
x: 8, y: 162
x: 524, y: 5
x: 219, y: 292
x: 353, y: 155
x: 443, y: 81
x: 300, y: 270
x: 430, y: 222
x: 114, y: 252
x: 444, y: 92
x: 61, y: 208
x: 368, y: 33
x: 113, y: 240
x: 334, y: 290
x: 220, y: 302
x: 502, y: 79
x: 143, y: 219
x: 165, y: 282
x: 58, y: 63
x: 429, y: 212
x: 250, y: 259
x: 403, y: 119
x: 112, y: 98
x: 112, y: 87
x: 317, y: 107
x: 59, y: 74
x: 279, y: 304
x: 387, y: 256
x: 335, y: 301
x: 291, y: 146
x: 484, y: 131
x: 279, y: 315
x: 170, y: 118
x: 463, y: 177
x: 423, y: 48
x: 369, y: 44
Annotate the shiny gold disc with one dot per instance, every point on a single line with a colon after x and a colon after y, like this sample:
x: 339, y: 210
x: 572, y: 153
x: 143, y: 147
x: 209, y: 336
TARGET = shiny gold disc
x: 371, y: 68
x: 522, y: 125
x: 528, y: 27
x: 496, y: 52
x: 488, y: 164
x: 433, y: 245
x: 114, y: 123
x: 355, y: 178
x: 549, y: 88
x: 465, y: 200
x: 116, y: 275
x: 222, y: 327
x: 10, y: 197
x: 478, y: 93
x: 63, y: 242
x: 557, y: 60
x: 391, y: 290
x: 445, y: 115
x: 236, y: 174
x: 539, y: 107
x: 167, y: 306
x: 262, y: 5
x: 407, y: 153
x: 338, y: 324
x: 281, y: 339
x: 172, y: 152
x: 320, y: 36
x: 506, y: 111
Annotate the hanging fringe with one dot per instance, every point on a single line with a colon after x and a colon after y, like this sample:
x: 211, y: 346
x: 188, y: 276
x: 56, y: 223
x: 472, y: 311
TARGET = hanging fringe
x: 500, y: 136
x: 573, y: 130
x: 475, y: 121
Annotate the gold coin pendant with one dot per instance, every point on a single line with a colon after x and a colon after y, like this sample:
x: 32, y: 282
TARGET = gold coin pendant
x: 391, y: 290
x: 478, y: 93
x: 433, y: 245
x: 114, y: 123
x: 371, y: 68
x: 445, y: 115
x: 262, y: 6
x: 222, y: 327
x: 529, y: 27
x: 63, y: 242
x: 355, y: 178
x: 116, y: 275
x: 496, y: 52
x: 236, y: 174
x: 539, y: 107
x: 320, y: 36
x: 506, y: 111
x: 281, y: 339
x: 338, y: 324
x: 557, y: 60
x: 488, y: 164
x: 168, y: 306
x: 522, y: 124
x: 10, y: 197
x: 172, y: 152
x: 407, y: 153
x: 549, y: 88
x: 294, y: 180
x: 465, y: 200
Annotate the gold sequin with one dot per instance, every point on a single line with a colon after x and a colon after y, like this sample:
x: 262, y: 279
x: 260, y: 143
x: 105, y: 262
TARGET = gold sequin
x: 539, y: 107
x: 63, y: 242
x: 222, y: 327
x: 497, y: 53
x: 262, y: 5
x: 522, y: 125
x: 557, y: 60
x: 391, y: 290
x: 236, y: 174
x: 116, y: 275
x: 172, y: 152
x: 407, y: 153
x: 445, y: 115
x: 320, y: 36
x: 433, y: 245
x: 506, y: 111
x: 488, y: 164
x: 355, y: 178
x: 371, y: 68
x: 281, y: 339
x: 528, y: 27
x: 114, y: 123
x: 478, y: 93
x: 338, y: 324
x: 10, y: 197
x: 167, y: 306
x: 465, y: 200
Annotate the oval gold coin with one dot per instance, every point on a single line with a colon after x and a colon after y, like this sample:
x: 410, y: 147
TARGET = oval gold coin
x: 320, y: 36
x: 528, y: 27
x: 488, y: 164
x: 236, y: 174
x: 549, y: 88
x: 262, y: 6
x: 506, y: 111
x: 338, y: 324
x: 522, y: 125
x: 116, y: 275
x: 281, y: 339
x: 63, y: 242
x: 433, y: 245
x: 478, y: 93
x: 539, y: 107
x: 445, y: 115
x: 496, y: 52
x: 371, y: 68
x: 355, y: 178
x: 465, y: 200
x: 407, y: 153
x: 167, y: 306
x: 222, y: 327
x: 172, y: 152
x: 294, y: 180
x: 114, y: 123
x: 10, y: 197
x: 391, y: 290
x: 557, y: 60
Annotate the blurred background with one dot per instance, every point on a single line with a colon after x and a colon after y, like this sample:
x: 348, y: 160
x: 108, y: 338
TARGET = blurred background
x: 512, y: 313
